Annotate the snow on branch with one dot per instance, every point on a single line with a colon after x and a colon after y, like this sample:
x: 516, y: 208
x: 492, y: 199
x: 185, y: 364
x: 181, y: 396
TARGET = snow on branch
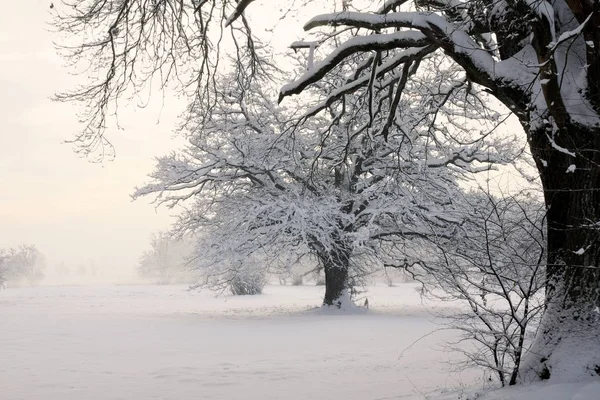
x: 357, y: 44
x: 402, y: 57
x: 311, y: 46
x: 478, y: 62
x: 561, y: 149
x: 466, y: 155
x: 570, y: 34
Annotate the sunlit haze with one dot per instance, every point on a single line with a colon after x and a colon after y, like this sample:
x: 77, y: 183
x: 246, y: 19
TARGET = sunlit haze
x: 74, y: 211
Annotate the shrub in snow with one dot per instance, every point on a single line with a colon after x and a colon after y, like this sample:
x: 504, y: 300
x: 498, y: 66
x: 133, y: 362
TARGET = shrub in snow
x: 297, y: 280
x: 246, y: 282
x: 494, y: 265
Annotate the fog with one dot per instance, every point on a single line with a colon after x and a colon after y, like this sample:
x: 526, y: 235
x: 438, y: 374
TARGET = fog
x: 76, y: 212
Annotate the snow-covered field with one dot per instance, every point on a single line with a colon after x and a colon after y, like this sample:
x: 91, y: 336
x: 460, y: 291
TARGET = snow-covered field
x: 164, y: 342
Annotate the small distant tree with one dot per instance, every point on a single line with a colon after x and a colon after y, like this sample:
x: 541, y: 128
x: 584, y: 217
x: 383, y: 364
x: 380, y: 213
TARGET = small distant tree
x: 319, y: 278
x: 297, y: 280
x: 93, y: 268
x: 3, y: 268
x: 166, y: 260
x: 25, y: 263
x: 295, y: 274
x: 389, y: 280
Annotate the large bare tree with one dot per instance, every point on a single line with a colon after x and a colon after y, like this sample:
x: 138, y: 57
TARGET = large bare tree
x: 540, y: 58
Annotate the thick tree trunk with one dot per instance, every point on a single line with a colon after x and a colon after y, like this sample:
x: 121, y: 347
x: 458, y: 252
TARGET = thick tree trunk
x: 336, y: 266
x: 336, y: 284
x: 568, y: 342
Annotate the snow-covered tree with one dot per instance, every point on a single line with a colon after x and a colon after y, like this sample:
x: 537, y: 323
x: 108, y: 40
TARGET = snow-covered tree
x: 269, y: 189
x: 540, y: 58
x: 166, y: 260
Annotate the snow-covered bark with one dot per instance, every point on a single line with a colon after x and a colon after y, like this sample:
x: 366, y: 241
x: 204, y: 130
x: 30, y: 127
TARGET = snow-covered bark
x: 569, y: 342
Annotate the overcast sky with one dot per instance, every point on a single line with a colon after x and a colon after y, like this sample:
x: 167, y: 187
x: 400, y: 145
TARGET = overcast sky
x: 73, y: 210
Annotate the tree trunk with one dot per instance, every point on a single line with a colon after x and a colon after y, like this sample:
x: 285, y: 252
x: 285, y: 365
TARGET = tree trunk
x: 336, y: 283
x: 567, y: 345
x: 335, y: 265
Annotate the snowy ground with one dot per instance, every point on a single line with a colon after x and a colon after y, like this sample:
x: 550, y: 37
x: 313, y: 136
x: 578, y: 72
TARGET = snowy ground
x: 163, y: 342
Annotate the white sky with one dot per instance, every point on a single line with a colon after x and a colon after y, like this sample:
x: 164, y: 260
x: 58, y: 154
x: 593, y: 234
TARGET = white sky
x: 73, y: 210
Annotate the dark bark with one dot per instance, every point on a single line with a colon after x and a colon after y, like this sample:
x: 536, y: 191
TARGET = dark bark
x: 335, y: 265
x: 573, y: 271
x: 582, y: 9
x: 336, y: 281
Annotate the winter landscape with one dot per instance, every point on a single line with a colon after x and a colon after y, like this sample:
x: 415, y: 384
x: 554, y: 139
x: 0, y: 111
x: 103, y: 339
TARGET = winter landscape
x: 342, y: 199
x: 163, y: 342
x: 166, y: 342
